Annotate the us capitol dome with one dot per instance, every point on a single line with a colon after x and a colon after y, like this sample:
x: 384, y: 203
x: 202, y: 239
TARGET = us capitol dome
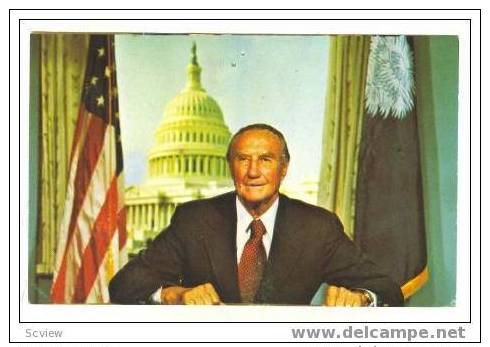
x: 187, y: 161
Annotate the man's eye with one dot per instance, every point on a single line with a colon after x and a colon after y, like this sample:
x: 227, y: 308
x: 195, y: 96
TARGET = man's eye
x: 266, y: 159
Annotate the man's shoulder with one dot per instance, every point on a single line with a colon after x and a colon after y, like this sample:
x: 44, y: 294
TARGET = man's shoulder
x: 222, y: 201
x: 307, y: 210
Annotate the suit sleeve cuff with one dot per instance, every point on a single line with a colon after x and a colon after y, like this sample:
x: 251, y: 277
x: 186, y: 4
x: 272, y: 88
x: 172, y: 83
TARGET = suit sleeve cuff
x: 156, y: 297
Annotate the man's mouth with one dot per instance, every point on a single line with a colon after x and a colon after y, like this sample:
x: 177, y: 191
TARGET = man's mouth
x: 254, y: 185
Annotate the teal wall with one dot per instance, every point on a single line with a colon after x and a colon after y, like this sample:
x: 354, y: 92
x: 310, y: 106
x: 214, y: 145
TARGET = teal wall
x: 436, y: 74
x: 34, y: 107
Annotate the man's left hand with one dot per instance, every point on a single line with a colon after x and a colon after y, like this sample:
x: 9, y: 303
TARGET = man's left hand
x: 340, y: 296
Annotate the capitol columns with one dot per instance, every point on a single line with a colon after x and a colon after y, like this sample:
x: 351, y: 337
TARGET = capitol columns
x: 136, y: 214
x: 206, y: 165
x: 182, y: 164
x: 165, y: 166
x: 150, y: 224
x: 212, y: 166
x: 141, y: 216
x: 130, y: 219
x: 156, y: 225
x: 198, y: 164
x: 145, y: 216
x: 223, y: 167
x: 161, y: 218
x: 192, y: 163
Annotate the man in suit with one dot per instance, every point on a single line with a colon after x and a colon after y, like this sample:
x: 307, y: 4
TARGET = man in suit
x: 253, y: 245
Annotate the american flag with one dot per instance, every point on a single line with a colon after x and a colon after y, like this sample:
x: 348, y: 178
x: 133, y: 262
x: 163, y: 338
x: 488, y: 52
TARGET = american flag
x: 92, y: 236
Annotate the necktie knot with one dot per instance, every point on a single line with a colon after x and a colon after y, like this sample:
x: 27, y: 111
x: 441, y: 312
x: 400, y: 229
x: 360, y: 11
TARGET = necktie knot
x: 257, y: 229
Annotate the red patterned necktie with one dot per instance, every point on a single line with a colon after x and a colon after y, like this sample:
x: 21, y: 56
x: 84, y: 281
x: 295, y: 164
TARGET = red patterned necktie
x: 252, y: 262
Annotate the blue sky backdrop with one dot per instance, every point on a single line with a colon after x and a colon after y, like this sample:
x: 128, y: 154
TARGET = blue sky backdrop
x: 280, y: 80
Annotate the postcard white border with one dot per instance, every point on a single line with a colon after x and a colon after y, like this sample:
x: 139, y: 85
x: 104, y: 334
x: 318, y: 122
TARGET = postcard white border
x: 427, y: 23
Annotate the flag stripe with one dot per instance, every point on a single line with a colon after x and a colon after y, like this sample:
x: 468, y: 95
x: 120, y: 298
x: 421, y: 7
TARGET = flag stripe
x: 102, y: 232
x: 87, y: 161
x: 110, y: 264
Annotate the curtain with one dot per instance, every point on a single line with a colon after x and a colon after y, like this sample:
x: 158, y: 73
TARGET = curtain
x: 63, y: 58
x: 344, y: 113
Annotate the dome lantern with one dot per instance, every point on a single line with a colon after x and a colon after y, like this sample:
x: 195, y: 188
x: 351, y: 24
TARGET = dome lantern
x: 194, y: 72
x: 193, y: 101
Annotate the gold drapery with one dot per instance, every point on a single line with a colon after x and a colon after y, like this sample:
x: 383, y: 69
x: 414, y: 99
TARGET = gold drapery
x: 344, y: 112
x: 63, y: 58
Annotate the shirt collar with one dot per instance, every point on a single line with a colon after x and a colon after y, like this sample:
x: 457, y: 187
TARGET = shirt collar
x: 268, y: 218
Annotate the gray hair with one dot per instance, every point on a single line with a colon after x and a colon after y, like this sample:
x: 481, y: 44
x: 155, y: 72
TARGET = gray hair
x: 259, y: 126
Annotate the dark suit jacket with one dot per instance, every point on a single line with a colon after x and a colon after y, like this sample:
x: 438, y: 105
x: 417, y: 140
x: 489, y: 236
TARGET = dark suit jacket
x: 309, y: 247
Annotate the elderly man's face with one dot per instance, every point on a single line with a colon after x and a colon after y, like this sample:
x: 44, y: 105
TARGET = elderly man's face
x: 258, y: 167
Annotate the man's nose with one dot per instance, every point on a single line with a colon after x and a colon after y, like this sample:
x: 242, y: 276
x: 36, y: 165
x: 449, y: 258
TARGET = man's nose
x: 253, y: 169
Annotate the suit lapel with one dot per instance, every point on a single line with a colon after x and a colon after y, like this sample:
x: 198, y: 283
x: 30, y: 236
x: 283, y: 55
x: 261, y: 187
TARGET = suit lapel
x: 220, y: 241
x: 285, y: 249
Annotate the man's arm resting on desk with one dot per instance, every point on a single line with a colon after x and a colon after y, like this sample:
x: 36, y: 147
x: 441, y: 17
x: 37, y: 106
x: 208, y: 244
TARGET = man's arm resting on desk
x: 204, y: 294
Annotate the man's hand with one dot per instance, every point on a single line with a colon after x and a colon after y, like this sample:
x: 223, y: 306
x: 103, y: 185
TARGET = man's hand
x: 340, y: 296
x: 204, y: 294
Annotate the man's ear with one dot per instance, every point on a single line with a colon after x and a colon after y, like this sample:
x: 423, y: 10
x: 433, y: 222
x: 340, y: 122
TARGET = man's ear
x: 231, y: 169
x: 284, y: 169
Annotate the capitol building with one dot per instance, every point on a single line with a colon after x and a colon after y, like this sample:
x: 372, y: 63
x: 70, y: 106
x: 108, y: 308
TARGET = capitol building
x: 186, y: 162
